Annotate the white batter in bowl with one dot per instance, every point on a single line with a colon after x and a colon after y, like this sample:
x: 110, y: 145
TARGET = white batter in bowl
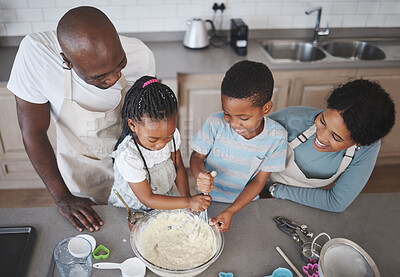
x: 167, y: 243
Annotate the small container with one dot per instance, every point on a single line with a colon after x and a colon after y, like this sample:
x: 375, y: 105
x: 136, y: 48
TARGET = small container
x: 73, y: 257
x: 134, y: 216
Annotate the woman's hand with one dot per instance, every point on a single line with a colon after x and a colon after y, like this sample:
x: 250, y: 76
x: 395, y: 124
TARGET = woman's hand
x: 223, y: 220
x: 199, y: 202
x: 205, y: 181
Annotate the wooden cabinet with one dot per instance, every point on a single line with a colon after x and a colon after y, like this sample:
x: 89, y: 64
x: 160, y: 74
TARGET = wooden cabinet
x: 16, y: 169
x: 199, y: 96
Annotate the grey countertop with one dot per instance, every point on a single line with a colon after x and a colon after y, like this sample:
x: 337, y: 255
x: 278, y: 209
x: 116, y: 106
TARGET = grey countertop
x: 371, y: 221
x: 172, y: 57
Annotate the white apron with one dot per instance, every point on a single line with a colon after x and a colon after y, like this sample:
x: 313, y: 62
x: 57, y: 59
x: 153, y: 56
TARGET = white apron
x: 85, y: 140
x: 293, y: 176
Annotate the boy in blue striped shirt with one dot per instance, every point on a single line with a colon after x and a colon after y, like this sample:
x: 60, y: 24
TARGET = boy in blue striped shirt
x: 237, y: 149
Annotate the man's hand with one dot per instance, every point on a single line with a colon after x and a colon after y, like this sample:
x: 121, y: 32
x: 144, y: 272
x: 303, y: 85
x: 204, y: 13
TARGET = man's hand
x: 205, y: 181
x: 80, y: 213
x: 223, y: 220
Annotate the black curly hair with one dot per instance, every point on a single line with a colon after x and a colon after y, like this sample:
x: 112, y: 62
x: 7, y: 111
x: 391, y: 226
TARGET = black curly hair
x: 249, y: 79
x: 366, y: 108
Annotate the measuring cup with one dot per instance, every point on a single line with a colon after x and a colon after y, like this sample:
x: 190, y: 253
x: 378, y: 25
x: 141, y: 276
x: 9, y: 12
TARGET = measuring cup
x: 131, y: 267
x: 73, y: 257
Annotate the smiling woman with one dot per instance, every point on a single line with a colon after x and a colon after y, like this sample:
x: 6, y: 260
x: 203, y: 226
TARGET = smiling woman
x: 338, y: 145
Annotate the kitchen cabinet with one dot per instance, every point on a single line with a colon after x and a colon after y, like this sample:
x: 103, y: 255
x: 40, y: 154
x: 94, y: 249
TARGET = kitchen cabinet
x: 199, y: 96
x: 16, y: 168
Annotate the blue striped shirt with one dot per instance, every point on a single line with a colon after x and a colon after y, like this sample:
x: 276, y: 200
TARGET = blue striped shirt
x: 236, y: 159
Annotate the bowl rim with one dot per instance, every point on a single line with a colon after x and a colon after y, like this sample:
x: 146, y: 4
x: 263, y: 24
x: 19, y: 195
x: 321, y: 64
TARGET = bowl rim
x: 157, y: 267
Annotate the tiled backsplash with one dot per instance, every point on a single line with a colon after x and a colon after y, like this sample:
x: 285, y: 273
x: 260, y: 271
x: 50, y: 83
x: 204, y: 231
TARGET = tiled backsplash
x: 20, y: 17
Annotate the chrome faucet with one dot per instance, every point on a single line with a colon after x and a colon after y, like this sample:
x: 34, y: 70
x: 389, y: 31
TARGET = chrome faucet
x: 317, y: 31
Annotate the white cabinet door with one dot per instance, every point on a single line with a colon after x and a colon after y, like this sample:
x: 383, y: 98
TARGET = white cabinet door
x: 16, y: 169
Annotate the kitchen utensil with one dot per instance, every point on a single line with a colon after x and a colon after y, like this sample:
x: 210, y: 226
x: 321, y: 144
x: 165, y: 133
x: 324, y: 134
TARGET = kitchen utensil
x: 288, y: 261
x: 201, y: 223
x: 344, y: 258
x: 133, y: 215
x: 281, y: 272
x: 131, y: 267
x: 311, y: 270
x: 302, y: 227
x: 299, y: 234
x: 98, y: 256
x: 161, y: 271
x: 128, y: 209
x: 73, y: 257
x: 196, y: 36
x: 91, y: 239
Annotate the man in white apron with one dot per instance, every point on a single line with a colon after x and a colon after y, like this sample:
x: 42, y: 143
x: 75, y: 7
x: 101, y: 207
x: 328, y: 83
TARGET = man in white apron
x: 79, y: 77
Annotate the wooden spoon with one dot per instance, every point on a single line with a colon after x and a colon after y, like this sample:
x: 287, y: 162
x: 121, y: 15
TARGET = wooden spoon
x: 123, y: 202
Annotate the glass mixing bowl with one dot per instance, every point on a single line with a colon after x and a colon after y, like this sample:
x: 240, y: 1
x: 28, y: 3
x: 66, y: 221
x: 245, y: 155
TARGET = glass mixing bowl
x: 141, y: 224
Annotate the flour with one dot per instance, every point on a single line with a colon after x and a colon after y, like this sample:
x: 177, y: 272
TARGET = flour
x: 168, y: 241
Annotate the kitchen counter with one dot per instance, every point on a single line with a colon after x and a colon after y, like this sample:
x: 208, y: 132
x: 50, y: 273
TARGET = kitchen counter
x: 172, y: 57
x: 371, y: 221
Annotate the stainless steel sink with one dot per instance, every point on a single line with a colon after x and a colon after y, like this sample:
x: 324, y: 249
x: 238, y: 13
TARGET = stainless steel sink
x: 354, y: 50
x: 293, y: 51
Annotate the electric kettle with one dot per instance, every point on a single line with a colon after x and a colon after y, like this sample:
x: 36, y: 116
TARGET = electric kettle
x: 196, y: 36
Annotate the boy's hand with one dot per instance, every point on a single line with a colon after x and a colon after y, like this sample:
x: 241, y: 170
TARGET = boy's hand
x: 205, y: 181
x: 199, y: 202
x: 223, y: 220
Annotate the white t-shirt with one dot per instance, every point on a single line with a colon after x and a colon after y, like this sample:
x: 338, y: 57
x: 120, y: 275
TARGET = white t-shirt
x: 131, y: 167
x: 37, y: 75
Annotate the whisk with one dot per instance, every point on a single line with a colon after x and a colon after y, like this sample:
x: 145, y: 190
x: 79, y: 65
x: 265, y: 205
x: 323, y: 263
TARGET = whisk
x: 201, y: 223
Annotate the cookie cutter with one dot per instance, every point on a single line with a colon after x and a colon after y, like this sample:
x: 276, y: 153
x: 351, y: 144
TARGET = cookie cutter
x: 225, y: 274
x: 311, y: 270
x: 97, y: 256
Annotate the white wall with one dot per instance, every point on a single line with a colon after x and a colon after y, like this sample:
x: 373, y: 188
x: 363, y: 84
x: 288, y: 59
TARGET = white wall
x: 20, y: 17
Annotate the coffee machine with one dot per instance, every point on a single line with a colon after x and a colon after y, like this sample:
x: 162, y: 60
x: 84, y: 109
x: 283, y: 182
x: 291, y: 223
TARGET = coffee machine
x: 239, y: 32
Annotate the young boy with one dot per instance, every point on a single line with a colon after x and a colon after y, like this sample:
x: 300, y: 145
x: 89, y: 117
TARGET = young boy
x: 237, y: 149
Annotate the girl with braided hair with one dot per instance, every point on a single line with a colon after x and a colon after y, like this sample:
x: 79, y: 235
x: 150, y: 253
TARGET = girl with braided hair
x: 147, y: 159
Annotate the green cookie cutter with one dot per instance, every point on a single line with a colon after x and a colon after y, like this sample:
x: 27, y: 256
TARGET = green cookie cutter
x: 101, y: 256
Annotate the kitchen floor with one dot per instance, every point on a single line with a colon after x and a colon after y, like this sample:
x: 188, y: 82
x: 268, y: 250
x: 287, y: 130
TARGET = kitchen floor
x: 383, y: 179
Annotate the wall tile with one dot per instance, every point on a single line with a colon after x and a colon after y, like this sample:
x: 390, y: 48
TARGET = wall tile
x: 54, y: 14
x: 18, y: 29
x: 375, y: 20
x: 151, y: 25
x: 390, y: 7
x: 354, y: 20
x: 14, y: 4
x: 163, y: 11
x: 69, y: 3
x: 8, y: 16
x: 41, y: 3
x: 27, y: 15
x: 44, y: 26
x: 392, y: 21
x: 126, y: 25
x: 269, y: 8
x: 280, y: 22
x: 344, y: 7
x: 3, y: 30
x: 133, y: 12
x: 368, y: 8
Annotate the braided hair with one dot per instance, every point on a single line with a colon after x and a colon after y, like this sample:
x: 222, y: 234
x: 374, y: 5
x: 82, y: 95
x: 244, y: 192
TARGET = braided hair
x: 147, y: 98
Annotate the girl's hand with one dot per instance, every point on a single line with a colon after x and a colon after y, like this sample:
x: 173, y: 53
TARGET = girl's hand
x: 223, y: 220
x: 199, y: 202
x: 205, y: 181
